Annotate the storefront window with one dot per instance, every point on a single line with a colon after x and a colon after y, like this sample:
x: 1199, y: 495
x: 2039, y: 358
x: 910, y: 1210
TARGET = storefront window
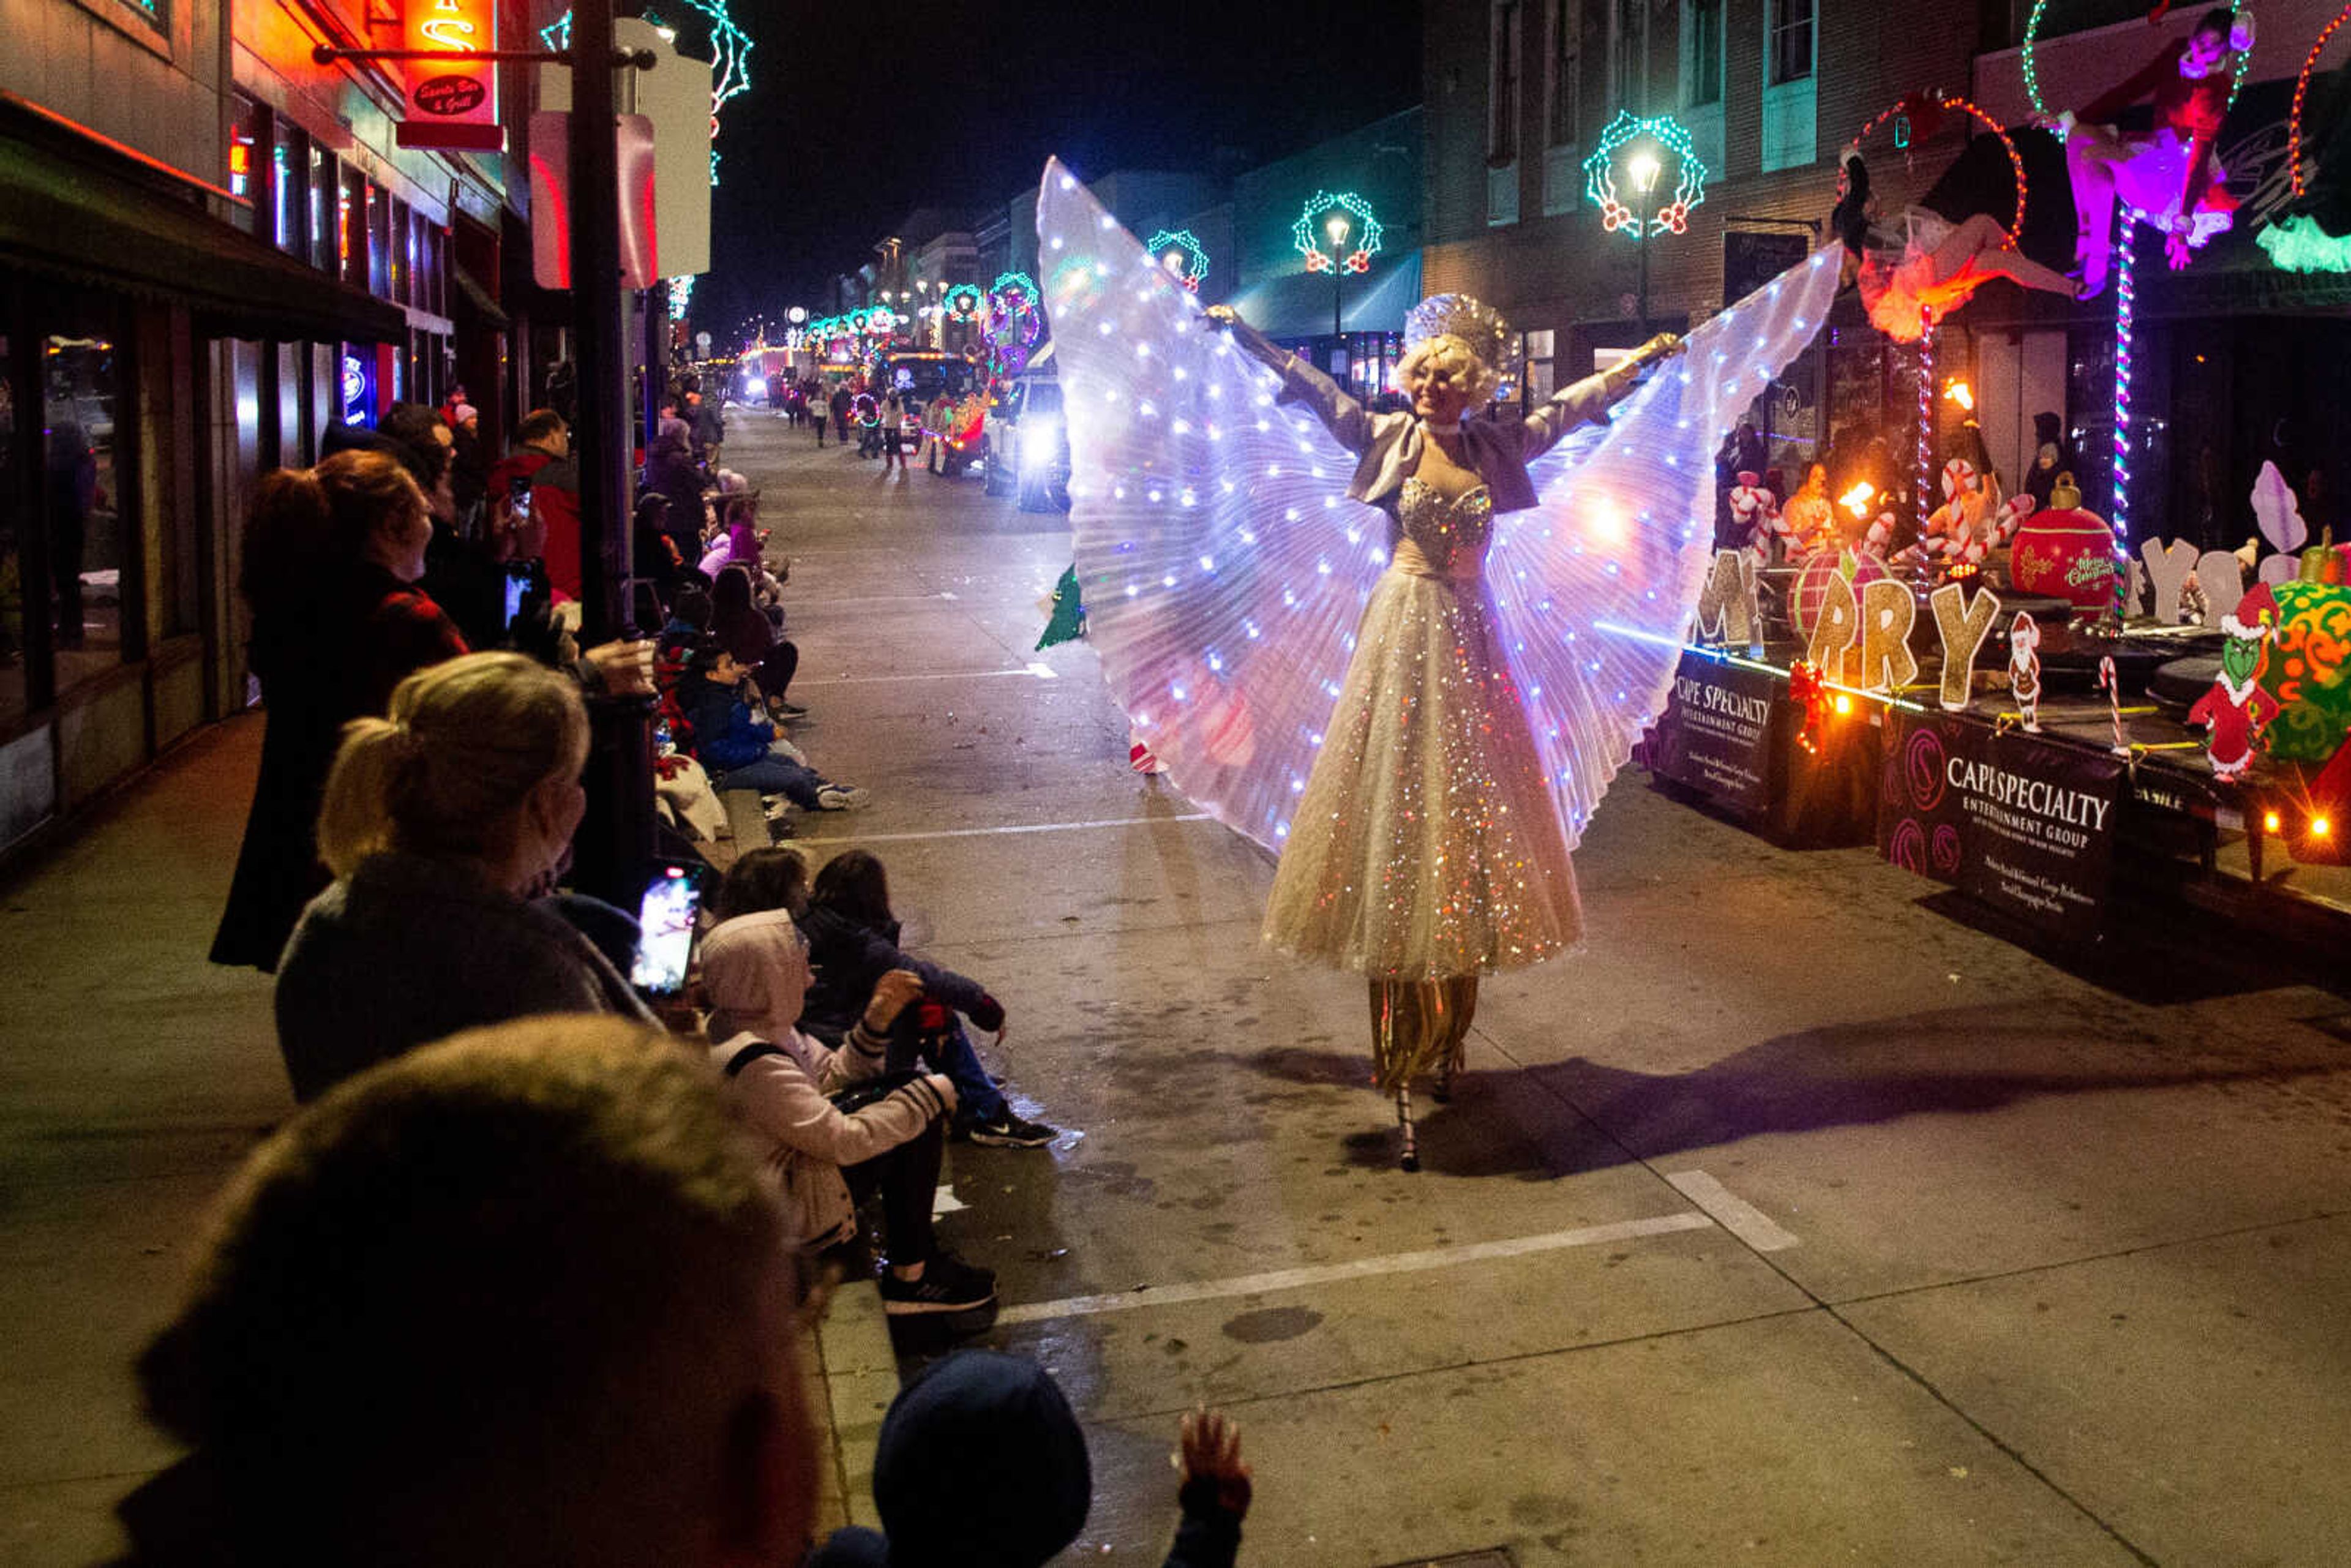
x: 249, y: 128
x: 379, y: 233
x: 80, y: 491
x: 402, y: 252
x: 319, y: 198
x: 289, y: 188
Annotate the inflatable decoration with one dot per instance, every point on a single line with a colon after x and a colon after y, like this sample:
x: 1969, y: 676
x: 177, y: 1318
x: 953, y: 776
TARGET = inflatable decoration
x: 2065, y: 552
x: 2308, y: 671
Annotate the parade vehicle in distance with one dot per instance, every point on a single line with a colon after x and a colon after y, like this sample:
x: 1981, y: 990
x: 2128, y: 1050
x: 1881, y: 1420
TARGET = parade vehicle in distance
x: 922, y: 373
x: 1027, y: 441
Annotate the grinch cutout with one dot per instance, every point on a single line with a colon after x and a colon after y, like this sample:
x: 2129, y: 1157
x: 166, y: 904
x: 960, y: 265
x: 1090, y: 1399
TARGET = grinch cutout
x: 2237, y: 709
x: 2024, y: 669
x: 1753, y: 511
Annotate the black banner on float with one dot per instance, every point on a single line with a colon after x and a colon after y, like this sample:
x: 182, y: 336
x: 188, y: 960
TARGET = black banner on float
x: 2024, y: 824
x: 1715, y: 735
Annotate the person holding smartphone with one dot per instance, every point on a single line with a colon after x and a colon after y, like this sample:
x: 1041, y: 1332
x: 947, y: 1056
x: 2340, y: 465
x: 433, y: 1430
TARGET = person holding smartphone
x: 829, y: 1149
x: 443, y: 823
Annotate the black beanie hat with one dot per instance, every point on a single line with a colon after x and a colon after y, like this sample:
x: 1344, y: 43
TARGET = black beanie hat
x: 980, y: 1464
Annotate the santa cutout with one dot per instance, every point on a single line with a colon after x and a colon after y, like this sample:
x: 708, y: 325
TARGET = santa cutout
x: 2024, y: 669
x: 2237, y: 709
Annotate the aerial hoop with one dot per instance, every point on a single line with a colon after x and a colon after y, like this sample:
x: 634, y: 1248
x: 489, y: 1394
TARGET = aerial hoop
x: 2032, y: 77
x: 2301, y: 91
x: 1909, y: 104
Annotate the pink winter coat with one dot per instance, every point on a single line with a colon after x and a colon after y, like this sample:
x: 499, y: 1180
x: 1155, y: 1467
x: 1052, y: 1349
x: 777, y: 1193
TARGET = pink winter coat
x: 755, y: 970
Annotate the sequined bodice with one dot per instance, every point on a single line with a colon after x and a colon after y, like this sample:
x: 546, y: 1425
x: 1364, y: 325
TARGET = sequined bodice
x: 1448, y: 536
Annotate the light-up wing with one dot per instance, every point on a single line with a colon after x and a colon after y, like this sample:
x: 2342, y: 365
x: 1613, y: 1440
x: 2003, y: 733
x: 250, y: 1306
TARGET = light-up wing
x: 1598, y: 585
x: 1222, y: 567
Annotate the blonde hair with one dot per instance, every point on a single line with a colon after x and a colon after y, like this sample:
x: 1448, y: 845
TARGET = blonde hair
x: 464, y: 746
x: 1447, y: 353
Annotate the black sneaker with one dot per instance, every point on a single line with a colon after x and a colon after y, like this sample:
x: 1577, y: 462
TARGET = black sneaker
x: 1010, y: 1131
x: 948, y: 1285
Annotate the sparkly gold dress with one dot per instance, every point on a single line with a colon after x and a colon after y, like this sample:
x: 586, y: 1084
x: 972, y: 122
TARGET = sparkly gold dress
x: 1426, y: 847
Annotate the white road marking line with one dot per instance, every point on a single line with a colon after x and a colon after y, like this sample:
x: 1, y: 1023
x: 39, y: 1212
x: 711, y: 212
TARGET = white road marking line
x: 1736, y: 1215
x: 1017, y: 828
x: 1360, y: 1269
x: 883, y: 598
x: 925, y: 675
x: 1042, y: 671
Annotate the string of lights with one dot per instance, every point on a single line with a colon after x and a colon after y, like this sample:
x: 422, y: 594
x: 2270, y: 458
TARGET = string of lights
x: 730, y: 56
x: 1924, y: 456
x: 2033, y: 74
x: 2126, y: 294
x: 2300, y: 92
x: 1306, y: 237
x: 1600, y: 176
x: 1181, y: 253
x: 1900, y: 112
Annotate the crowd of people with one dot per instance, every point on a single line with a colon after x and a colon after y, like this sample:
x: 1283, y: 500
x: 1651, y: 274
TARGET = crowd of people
x: 943, y: 432
x: 443, y: 1003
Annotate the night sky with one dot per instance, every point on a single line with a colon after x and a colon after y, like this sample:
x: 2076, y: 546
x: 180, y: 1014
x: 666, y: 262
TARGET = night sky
x: 859, y: 113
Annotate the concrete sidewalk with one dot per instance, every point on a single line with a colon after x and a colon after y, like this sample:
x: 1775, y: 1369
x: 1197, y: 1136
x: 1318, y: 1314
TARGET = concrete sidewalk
x: 1799, y: 1220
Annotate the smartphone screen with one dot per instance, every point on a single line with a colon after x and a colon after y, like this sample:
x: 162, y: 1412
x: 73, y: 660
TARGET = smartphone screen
x: 515, y: 588
x: 665, y: 931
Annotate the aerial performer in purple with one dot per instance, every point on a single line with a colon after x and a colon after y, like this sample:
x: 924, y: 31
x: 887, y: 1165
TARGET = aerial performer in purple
x: 1406, y: 652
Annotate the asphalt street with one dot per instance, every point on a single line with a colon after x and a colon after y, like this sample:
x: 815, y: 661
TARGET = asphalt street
x: 1798, y: 1221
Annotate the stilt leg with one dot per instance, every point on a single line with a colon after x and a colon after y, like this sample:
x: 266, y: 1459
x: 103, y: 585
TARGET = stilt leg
x: 1409, y: 1159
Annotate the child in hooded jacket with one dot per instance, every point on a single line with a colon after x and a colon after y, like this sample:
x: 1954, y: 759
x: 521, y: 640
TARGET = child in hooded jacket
x: 755, y: 972
x: 854, y: 942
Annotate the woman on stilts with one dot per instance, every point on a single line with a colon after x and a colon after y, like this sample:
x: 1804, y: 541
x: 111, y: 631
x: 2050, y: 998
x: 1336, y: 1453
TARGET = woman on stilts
x: 1405, y: 651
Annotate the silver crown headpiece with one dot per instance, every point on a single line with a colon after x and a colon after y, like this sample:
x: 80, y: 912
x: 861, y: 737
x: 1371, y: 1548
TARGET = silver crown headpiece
x: 1473, y: 321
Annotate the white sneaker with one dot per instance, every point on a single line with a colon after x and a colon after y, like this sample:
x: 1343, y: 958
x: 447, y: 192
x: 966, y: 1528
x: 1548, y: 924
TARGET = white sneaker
x: 840, y: 798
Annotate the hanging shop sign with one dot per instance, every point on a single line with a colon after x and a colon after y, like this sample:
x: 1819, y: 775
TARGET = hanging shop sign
x: 451, y: 103
x: 2026, y: 826
x: 551, y: 196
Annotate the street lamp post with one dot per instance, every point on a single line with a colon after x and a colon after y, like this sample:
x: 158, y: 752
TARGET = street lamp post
x: 1337, y: 229
x: 1644, y: 169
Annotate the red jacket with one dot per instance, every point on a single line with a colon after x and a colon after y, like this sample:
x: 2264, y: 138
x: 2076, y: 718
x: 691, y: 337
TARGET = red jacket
x: 555, y: 503
x: 2193, y: 109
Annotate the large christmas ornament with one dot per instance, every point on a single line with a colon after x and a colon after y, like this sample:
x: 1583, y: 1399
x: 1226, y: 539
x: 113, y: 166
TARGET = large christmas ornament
x: 1860, y: 567
x: 2308, y: 671
x: 2065, y: 552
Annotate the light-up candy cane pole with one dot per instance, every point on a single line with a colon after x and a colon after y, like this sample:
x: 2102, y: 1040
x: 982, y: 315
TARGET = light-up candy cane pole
x: 1923, y: 457
x: 1903, y: 110
x: 2126, y: 292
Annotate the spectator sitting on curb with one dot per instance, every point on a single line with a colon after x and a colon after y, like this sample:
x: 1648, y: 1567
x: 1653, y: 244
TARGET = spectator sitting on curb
x: 841, y: 1129
x: 375, y: 1370
x: 441, y: 824
x: 855, y: 940
x: 741, y: 750
x: 743, y: 631
x: 981, y: 1460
